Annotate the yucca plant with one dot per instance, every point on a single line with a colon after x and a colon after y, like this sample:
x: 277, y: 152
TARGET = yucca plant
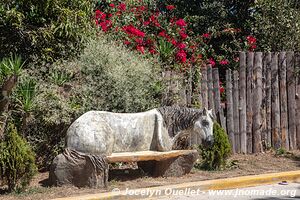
x: 165, y: 49
x: 60, y: 77
x: 11, y: 66
x: 26, y: 92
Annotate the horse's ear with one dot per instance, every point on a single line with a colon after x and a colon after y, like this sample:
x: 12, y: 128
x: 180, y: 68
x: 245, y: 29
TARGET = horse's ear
x: 211, y: 114
x: 204, y: 111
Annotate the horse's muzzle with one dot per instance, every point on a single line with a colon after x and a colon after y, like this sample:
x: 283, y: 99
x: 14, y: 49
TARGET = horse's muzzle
x: 209, y: 141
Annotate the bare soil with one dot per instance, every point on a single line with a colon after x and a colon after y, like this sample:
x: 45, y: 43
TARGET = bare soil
x: 128, y: 176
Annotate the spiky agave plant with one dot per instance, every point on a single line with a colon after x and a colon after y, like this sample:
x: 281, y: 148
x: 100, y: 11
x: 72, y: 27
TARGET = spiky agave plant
x: 25, y: 96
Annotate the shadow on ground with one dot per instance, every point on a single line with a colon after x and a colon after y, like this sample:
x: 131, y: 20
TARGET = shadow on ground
x: 122, y: 175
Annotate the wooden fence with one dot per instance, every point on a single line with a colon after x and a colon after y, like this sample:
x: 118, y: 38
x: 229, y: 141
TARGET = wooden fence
x: 262, y: 102
x: 262, y: 106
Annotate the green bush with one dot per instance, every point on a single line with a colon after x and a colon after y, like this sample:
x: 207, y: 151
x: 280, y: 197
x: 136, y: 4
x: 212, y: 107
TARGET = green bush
x: 104, y: 77
x: 44, y: 30
x: 208, y: 15
x: 17, y: 160
x: 277, y: 25
x: 214, y: 157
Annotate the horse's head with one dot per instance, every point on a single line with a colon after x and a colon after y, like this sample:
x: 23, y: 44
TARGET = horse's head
x: 204, y: 127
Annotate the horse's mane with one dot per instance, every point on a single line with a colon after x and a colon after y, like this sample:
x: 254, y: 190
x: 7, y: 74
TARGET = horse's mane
x: 178, y: 118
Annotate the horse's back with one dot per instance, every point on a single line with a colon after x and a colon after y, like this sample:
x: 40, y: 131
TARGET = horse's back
x: 86, y: 134
x: 101, y: 132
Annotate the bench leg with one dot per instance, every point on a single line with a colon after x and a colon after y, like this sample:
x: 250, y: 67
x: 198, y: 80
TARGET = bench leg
x: 176, y: 166
x: 171, y: 167
x: 147, y: 166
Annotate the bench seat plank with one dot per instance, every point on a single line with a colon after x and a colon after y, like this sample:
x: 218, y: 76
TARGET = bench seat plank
x: 146, y: 155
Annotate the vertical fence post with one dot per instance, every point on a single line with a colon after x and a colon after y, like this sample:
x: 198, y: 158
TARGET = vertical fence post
x: 189, y: 94
x: 249, y: 91
x: 268, y: 59
x: 257, y: 102
x: 236, y: 111
x: 204, y: 87
x: 198, y: 95
x: 283, y: 101
x: 276, y: 139
x: 242, y: 102
x: 264, y: 106
x: 210, y: 86
x: 229, y: 105
x: 291, y: 98
x: 217, y: 98
x: 182, y: 85
x: 297, y: 68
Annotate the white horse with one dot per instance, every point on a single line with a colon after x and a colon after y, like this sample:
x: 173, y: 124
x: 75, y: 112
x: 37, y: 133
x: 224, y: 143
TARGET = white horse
x: 102, y: 133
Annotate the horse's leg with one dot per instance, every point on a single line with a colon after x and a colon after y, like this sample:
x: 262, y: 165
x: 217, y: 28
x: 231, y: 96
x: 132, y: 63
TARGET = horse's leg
x: 162, y: 135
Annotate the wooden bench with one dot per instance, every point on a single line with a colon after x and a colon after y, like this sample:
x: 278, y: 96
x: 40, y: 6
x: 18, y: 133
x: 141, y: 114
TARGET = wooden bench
x: 155, y: 163
x: 85, y: 170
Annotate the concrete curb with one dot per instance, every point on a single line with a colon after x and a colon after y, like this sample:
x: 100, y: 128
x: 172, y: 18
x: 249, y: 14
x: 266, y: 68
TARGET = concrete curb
x: 218, y: 184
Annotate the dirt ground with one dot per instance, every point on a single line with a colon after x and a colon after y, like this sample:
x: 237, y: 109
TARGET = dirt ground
x: 132, y: 177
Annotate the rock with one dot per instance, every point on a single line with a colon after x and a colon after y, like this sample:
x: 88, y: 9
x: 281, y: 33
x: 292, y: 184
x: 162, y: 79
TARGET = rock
x: 79, y: 169
x: 177, y: 166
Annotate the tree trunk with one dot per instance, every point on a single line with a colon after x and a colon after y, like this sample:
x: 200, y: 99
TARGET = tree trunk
x: 6, y: 90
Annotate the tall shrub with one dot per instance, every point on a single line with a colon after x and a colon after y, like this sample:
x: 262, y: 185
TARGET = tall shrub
x: 17, y: 160
x: 214, y: 157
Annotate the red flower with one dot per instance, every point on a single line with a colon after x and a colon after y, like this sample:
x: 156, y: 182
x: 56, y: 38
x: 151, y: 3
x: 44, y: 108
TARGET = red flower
x: 105, y: 25
x: 181, y: 56
x: 251, y: 39
x: 174, y: 42
x: 152, y: 51
x: 172, y: 20
x: 146, y: 23
x: 142, y: 8
x: 100, y: 14
x: 140, y: 49
x: 162, y: 34
x: 181, y: 23
x: 224, y: 62
x: 156, y: 24
x: 206, y: 35
x: 212, y: 62
x: 109, y: 15
x: 251, y: 42
x: 139, y: 41
x: 131, y: 30
x: 253, y: 47
x: 181, y: 45
x: 111, y: 5
x: 183, y: 35
x: 170, y: 7
x: 127, y: 42
x: 222, y: 89
x: 149, y: 42
x: 152, y: 18
x: 122, y: 6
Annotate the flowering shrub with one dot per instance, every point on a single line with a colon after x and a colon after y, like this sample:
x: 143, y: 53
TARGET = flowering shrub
x: 154, y: 30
